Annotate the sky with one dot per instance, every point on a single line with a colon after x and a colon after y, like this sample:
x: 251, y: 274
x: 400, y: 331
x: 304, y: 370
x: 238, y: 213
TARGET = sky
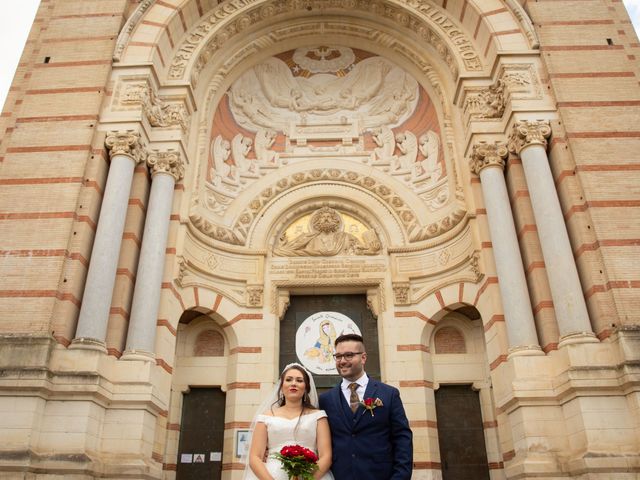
x: 15, y: 22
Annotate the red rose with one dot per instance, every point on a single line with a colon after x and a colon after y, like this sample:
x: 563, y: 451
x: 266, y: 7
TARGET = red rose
x: 368, y: 402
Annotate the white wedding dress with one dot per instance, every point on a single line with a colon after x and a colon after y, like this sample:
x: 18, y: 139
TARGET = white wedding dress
x: 282, y: 432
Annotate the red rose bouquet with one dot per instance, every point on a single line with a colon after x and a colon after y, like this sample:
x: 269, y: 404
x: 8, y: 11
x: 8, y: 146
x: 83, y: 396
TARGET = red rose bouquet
x: 298, y: 462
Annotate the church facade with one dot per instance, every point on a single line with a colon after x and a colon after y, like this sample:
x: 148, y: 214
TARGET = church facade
x: 196, y: 193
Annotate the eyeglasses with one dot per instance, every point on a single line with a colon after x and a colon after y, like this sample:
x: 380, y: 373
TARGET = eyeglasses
x: 347, y: 356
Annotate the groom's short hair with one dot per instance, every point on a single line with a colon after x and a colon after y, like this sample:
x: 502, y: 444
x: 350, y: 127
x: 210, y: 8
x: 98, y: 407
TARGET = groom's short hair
x: 349, y: 337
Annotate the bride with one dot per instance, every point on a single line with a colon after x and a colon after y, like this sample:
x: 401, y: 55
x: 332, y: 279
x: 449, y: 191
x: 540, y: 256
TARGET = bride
x: 290, y: 416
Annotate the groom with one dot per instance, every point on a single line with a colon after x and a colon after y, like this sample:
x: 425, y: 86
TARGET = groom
x: 374, y: 442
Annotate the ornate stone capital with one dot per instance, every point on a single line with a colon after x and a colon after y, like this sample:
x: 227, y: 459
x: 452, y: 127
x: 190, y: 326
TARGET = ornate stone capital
x: 529, y: 132
x: 401, y: 293
x: 488, y: 155
x: 126, y: 143
x: 254, y: 295
x: 166, y: 162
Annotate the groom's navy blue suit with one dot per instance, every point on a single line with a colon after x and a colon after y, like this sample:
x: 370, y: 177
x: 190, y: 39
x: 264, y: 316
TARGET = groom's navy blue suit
x: 365, y: 446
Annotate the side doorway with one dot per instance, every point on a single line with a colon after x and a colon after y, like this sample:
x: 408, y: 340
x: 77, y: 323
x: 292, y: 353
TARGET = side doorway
x: 463, y: 453
x: 201, y: 435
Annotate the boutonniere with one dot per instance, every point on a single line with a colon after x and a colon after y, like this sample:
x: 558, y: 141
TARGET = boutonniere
x: 371, y: 403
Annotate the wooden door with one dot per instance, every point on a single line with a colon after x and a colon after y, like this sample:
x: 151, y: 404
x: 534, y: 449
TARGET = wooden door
x: 201, y: 435
x: 463, y: 453
x: 353, y: 306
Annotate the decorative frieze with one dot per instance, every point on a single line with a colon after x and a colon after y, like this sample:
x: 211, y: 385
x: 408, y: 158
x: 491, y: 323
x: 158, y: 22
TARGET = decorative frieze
x: 529, y: 132
x: 487, y: 103
x: 126, y: 143
x: 159, y: 113
x: 488, y: 155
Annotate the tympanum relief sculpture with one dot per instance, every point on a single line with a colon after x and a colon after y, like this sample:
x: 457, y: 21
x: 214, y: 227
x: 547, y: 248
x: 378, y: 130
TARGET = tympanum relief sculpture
x: 323, y: 234
x: 324, y: 103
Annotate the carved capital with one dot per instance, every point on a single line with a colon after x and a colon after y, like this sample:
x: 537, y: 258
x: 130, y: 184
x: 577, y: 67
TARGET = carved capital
x: 166, y: 162
x: 126, y: 143
x: 488, y: 155
x: 529, y: 132
x: 401, y: 293
x: 254, y: 295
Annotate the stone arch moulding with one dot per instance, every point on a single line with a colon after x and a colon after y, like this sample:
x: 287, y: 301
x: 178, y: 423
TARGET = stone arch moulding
x: 416, y: 224
x: 465, y: 35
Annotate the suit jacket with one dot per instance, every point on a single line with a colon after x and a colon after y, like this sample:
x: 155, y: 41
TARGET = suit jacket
x: 366, y: 446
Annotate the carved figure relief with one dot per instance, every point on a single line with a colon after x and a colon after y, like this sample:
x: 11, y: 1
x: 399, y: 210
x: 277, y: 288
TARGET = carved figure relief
x: 223, y: 171
x: 263, y: 142
x: 271, y: 96
x: 317, y: 103
x: 428, y: 167
x: 386, y: 145
x: 408, y: 146
x: 240, y: 148
x: 325, y: 236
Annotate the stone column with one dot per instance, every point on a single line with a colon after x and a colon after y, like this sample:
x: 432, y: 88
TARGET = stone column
x: 487, y: 161
x: 529, y: 141
x: 166, y: 169
x: 126, y: 152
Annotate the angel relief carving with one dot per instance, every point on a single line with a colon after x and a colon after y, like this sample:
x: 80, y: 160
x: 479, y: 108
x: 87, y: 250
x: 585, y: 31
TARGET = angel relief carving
x: 408, y: 146
x: 428, y: 167
x: 325, y: 237
x: 223, y: 171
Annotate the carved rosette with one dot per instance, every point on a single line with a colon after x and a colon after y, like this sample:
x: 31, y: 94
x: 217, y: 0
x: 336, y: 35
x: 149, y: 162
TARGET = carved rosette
x: 166, y: 162
x: 488, y: 155
x: 401, y: 293
x: 126, y: 143
x: 529, y: 132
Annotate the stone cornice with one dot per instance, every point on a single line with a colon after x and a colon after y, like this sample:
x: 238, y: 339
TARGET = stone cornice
x: 166, y: 162
x: 488, y: 155
x: 529, y: 132
x: 126, y: 143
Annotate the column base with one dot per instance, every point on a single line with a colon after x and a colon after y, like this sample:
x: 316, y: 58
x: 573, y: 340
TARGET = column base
x: 525, y: 350
x: 139, y: 355
x: 577, y: 337
x: 85, y: 343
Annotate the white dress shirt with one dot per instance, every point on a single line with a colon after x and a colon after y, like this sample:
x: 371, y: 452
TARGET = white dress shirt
x: 362, y: 382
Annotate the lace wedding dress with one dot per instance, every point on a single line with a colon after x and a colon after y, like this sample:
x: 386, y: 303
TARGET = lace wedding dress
x: 282, y: 432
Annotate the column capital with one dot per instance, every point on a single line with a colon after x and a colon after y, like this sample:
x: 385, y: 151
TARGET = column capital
x: 529, y: 132
x: 125, y: 143
x: 166, y: 162
x: 488, y: 155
